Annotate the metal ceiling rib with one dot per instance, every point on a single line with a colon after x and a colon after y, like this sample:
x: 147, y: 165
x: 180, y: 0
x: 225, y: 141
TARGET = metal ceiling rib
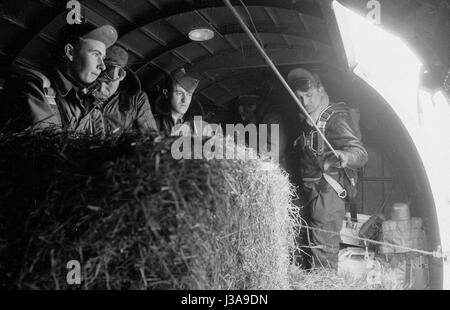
x: 179, y: 52
x: 129, y: 19
x: 276, y: 23
x: 221, y: 31
x: 15, y: 22
x: 153, y: 3
x: 43, y: 42
x: 228, y: 32
x: 163, y: 49
x: 308, y: 7
x: 209, y: 99
x: 183, y: 35
x: 220, y: 98
x: 155, y: 34
x: 180, y: 55
x: 272, y: 17
x: 168, y: 55
x: 208, y: 76
x: 235, y: 59
x: 14, y: 14
x: 165, y: 12
x: 98, y: 19
x: 333, y: 32
x: 214, y: 26
x: 234, y: 77
x: 262, y: 27
x: 261, y: 79
x: 223, y: 87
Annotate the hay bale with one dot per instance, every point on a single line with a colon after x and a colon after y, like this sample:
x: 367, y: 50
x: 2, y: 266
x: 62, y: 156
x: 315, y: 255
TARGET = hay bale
x: 327, y: 279
x: 135, y: 218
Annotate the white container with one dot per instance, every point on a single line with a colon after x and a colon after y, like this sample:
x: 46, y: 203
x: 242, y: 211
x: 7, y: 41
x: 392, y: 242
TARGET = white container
x: 351, y: 229
x: 352, y: 261
x: 409, y: 233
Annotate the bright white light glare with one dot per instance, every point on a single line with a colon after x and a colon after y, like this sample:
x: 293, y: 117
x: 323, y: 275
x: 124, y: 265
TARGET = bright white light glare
x: 381, y: 59
x: 387, y: 64
x: 434, y: 149
x: 201, y: 34
x: 441, y: 122
x: 440, y: 99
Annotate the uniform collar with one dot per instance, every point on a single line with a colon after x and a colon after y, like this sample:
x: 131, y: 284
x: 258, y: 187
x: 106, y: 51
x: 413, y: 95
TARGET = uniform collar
x: 64, y: 84
x: 176, y: 120
x: 324, y: 103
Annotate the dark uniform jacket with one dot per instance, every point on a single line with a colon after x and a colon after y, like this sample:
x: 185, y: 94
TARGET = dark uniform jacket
x: 128, y: 109
x: 32, y: 99
x: 275, y: 117
x: 343, y: 134
x: 28, y: 99
x: 75, y: 107
x: 164, y: 120
x: 166, y: 124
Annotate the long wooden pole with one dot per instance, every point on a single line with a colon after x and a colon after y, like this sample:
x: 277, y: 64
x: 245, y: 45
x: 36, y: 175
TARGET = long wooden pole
x: 277, y: 73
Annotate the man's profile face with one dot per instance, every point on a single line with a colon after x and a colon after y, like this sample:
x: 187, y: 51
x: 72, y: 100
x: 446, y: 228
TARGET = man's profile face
x: 88, y: 60
x: 310, y: 99
x: 108, y: 88
x: 180, y: 99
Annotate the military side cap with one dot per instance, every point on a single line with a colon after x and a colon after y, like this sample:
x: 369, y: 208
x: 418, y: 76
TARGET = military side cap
x: 187, y: 82
x: 300, y: 73
x: 115, y: 55
x: 106, y: 33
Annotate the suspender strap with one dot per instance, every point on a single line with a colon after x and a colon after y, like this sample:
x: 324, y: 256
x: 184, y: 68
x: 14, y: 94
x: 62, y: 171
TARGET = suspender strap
x: 342, y: 193
x: 324, y: 117
x: 321, y: 124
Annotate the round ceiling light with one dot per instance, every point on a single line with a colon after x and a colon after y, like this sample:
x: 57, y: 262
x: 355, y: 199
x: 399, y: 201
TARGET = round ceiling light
x: 201, y: 34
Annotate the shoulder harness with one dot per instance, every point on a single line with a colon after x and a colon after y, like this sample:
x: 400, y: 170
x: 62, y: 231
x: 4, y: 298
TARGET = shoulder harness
x: 314, y: 142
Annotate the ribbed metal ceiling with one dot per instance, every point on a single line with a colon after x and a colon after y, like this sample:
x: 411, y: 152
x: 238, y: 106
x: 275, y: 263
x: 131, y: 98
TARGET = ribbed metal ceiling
x: 293, y: 32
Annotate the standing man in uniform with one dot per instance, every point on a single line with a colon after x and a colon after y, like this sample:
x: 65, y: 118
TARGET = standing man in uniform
x: 323, y: 175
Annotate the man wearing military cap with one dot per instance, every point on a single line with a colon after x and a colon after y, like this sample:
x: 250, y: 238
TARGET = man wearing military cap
x: 258, y: 110
x: 325, y: 178
x: 120, y: 99
x: 174, y: 101
x: 248, y: 107
x: 57, y: 97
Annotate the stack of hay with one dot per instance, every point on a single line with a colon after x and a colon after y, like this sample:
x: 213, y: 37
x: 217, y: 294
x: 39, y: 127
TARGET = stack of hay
x: 135, y: 218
